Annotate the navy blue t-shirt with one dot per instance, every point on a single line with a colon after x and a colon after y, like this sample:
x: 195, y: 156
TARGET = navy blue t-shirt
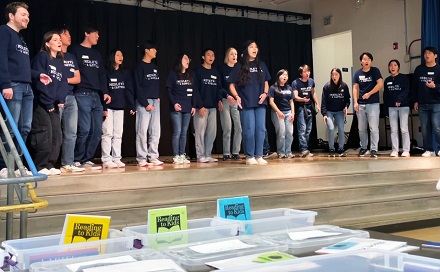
x: 367, y: 81
x: 120, y: 90
x: 91, y: 68
x: 181, y: 90
x: 224, y: 71
x: 15, y: 64
x: 396, y: 89
x: 423, y: 94
x: 304, y: 90
x: 146, y: 79
x: 281, y: 96
x: 250, y: 93
x: 334, y: 101
x: 209, y: 88
x: 47, y: 95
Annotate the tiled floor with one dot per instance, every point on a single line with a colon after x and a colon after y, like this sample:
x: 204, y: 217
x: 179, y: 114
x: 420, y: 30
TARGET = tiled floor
x: 428, y: 234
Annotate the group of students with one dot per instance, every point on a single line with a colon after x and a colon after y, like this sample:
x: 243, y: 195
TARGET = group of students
x: 73, y: 91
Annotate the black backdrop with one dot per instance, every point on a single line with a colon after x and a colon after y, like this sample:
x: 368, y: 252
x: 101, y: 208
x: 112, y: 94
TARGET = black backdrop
x: 282, y: 45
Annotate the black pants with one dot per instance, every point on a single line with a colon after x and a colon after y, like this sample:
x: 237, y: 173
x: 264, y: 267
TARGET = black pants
x: 45, y: 138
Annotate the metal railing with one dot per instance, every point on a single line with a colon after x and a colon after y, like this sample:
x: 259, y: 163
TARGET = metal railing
x: 21, y: 183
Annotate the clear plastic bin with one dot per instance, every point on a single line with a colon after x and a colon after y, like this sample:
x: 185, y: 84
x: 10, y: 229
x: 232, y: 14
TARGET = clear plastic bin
x: 297, y: 247
x: 272, y: 220
x: 62, y: 265
x: 45, y: 248
x: 194, y: 261
x: 198, y: 230
x: 355, y: 261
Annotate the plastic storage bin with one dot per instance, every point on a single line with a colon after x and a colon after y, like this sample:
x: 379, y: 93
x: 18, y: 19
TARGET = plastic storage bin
x: 198, y: 230
x: 45, y: 248
x: 297, y: 247
x: 62, y: 265
x: 272, y: 220
x: 194, y: 260
x: 355, y: 261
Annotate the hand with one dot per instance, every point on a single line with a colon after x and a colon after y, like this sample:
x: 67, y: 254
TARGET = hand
x: 263, y: 97
x: 132, y: 112
x: 325, y: 120
x: 345, y: 111
x: 202, y: 112
x: 318, y: 109
x: 416, y: 106
x: 193, y: 111
x: 177, y: 107
x: 220, y: 105
x: 107, y: 99
x: 292, y: 118
x: 149, y: 107
x: 280, y: 115
x: 105, y: 113
x: 238, y: 99
x: 366, y: 96
x: 397, y: 104
x: 8, y: 93
x: 231, y: 100
x: 45, y: 79
x: 60, y: 105
x: 306, y: 100
x: 51, y: 110
x: 430, y: 84
x: 356, y: 107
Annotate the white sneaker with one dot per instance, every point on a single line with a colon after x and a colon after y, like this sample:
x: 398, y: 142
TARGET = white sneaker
x: 184, y: 159
x: 203, y: 160
x: 261, y: 161
x: 405, y: 154
x: 120, y: 164
x: 55, y: 172
x: 155, y: 162
x: 91, y: 165
x: 428, y: 154
x: 77, y: 164
x: 45, y: 171
x: 18, y: 174
x: 211, y: 159
x: 72, y: 168
x: 310, y: 155
x: 109, y: 165
x: 251, y: 161
x: 178, y: 159
x: 4, y: 173
x: 142, y: 163
x: 394, y: 154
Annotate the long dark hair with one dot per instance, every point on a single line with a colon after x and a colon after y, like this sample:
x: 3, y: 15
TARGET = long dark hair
x: 245, y: 77
x: 46, y: 38
x: 178, y: 68
x: 111, y: 61
x: 277, y: 83
x: 335, y: 88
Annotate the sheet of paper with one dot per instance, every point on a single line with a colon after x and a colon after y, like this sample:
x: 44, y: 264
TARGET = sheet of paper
x: 220, y: 246
x: 239, y: 261
x: 303, y: 235
x: 161, y: 265
x: 115, y: 260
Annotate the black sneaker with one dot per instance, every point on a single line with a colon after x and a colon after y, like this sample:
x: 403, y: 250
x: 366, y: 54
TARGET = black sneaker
x: 342, y: 153
x: 236, y: 157
x: 270, y: 155
x: 332, y: 153
x: 226, y: 157
x: 373, y: 154
x: 363, y: 152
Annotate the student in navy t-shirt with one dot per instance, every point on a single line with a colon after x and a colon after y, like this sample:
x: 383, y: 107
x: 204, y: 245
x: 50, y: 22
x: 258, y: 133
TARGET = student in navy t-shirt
x: 283, y: 113
x: 334, y: 107
x: 305, y: 95
x: 427, y: 99
x: 230, y: 110
x: 45, y: 138
x: 366, y: 85
x: 181, y: 86
x: 396, y: 97
x: 209, y: 97
x: 249, y: 86
x: 121, y: 90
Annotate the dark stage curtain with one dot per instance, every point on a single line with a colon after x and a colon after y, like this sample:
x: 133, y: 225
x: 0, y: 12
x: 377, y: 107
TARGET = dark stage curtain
x: 430, y: 24
x: 281, y: 45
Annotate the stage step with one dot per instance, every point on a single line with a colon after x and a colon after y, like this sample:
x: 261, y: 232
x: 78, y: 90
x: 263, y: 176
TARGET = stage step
x: 347, y: 192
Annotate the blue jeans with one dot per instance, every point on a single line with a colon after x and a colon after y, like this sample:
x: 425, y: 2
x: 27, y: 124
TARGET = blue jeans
x: 147, y: 131
x: 338, y: 117
x: 304, y: 127
x: 368, y: 117
x: 253, y: 122
x: 429, y: 115
x: 230, y: 112
x: 206, y: 129
x: 396, y: 114
x: 69, y: 118
x: 89, y: 125
x: 180, y: 123
x: 284, y: 131
x: 21, y: 107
